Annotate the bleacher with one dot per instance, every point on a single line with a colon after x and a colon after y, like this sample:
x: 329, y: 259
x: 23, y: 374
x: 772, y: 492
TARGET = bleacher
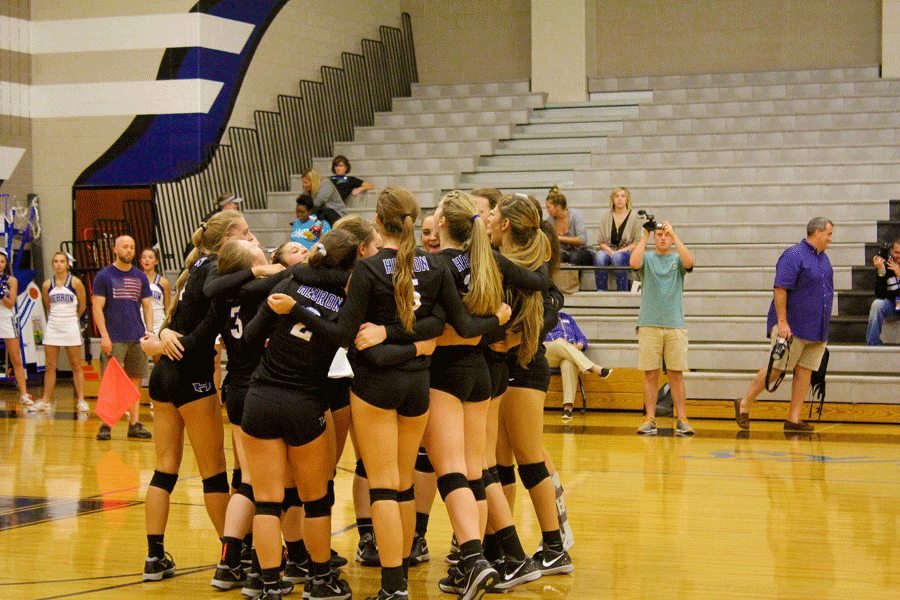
x: 738, y: 163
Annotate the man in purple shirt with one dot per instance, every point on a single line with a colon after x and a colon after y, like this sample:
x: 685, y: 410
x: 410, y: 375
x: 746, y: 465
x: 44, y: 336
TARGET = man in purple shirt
x: 800, y: 314
x: 119, y: 294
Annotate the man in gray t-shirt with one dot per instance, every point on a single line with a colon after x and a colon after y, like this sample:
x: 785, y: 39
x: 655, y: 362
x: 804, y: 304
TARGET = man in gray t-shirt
x: 661, y: 331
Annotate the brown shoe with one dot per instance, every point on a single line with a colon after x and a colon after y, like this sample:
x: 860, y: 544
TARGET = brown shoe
x: 801, y: 426
x: 743, y: 419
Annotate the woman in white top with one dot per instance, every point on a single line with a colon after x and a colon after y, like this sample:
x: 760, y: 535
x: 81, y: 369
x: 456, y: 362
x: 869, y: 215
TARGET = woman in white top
x: 64, y: 301
x: 9, y: 290
x: 160, y: 289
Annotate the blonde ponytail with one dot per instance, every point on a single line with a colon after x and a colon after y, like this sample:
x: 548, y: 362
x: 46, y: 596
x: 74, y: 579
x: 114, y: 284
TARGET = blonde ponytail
x: 397, y: 211
x: 466, y: 228
x: 530, y: 249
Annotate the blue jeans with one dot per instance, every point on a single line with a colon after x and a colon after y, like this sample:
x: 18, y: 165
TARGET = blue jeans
x: 619, y: 259
x: 883, y: 309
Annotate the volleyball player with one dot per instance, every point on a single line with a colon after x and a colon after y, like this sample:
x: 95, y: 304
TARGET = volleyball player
x: 395, y: 287
x: 64, y: 299
x: 234, y: 309
x: 181, y: 385
x: 515, y: 227
x: 284, y: 425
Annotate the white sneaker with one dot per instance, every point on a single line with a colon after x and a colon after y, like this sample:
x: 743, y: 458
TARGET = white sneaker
x: 26, y: 399
x: 83, y: 406
x: 39, y: 406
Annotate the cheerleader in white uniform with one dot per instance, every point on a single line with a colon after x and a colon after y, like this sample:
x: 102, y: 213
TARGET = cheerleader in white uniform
x: 160, y: 289
x: 9, y: 290
x: 64, y: 300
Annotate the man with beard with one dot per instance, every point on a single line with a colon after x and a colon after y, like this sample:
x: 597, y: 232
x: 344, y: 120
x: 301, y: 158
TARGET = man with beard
x: 119, y: 294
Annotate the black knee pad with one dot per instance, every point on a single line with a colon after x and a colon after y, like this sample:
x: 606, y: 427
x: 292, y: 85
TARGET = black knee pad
x: 423, y: 464
x: 378, y: 494
x: 318, y: 508
x: 217, y: 484
x: 506, y: 475
x: 330, y: 494
x: 486, y: 477
x: 532, y: 474
x: 236, y: 479
x: 495, y: 474
x: 246, y: 490
x: 164, y: 481
x: 450, y: 482
x: 477, y: 486
x: 407, y: 495
x: 271, y: 509
x: 291, y: 498
x: 361, y: 469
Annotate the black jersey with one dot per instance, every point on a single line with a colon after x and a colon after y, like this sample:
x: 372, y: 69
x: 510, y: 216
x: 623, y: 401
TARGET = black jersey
x: 295, y: 356
x: 516, y: 277
x: 234, y: 311
x: 345, y: 184
x: 193, y: 318
x: 370, y: 298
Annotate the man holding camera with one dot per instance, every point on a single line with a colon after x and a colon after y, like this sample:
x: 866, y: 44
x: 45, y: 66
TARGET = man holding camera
x: 661, y: 330
x: 887, y: 286
x: 798, y: 322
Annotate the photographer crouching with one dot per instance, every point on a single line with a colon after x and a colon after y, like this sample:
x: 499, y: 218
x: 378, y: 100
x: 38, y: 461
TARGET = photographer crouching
x: 798, y: 322
x: 887, y: 286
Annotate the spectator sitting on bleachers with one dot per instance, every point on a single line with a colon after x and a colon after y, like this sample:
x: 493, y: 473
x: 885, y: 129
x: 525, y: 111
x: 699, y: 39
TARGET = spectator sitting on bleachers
x: 430, y: 241
x: 887, y: 287
x: 326, y: 199
x: 620, y: 231
x: 307, y: 227
x: 345, y: 184
x: 569, y: 226
x: 564, y: 346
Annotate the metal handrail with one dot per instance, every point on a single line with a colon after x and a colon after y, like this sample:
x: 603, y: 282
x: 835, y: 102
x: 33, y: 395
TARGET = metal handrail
x: 258, y: 160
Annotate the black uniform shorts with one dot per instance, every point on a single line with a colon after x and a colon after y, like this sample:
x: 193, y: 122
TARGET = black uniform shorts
x: 534, y: 376
x: 462, y: 372
x: 338, y: 392
x: 233, y: 395
x: 293, y: 415
x: 393, y: 389
x: 181, y: 382
x: 499, y: 371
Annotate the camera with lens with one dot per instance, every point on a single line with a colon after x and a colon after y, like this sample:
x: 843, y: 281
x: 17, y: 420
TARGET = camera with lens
x: 650, y: 223
x: 779, y: 348
x: 885, y: 252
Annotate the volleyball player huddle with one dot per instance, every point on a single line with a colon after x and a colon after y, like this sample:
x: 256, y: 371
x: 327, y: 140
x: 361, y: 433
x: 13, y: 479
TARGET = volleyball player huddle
x: 434, y: 342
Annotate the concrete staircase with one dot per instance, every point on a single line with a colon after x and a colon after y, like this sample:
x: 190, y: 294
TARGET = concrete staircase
x: 738, y: 163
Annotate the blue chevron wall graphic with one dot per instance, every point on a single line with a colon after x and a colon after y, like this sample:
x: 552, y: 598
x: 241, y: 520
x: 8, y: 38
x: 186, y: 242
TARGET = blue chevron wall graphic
x: 159, y: 148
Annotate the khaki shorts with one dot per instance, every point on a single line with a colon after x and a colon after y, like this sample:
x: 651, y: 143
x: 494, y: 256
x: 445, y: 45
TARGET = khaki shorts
x: 655, y: 343
x: 130, y: 356
x: 800, y: 352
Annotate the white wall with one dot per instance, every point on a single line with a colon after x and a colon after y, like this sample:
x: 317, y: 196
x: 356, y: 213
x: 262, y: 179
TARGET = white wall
x: 67, y: 141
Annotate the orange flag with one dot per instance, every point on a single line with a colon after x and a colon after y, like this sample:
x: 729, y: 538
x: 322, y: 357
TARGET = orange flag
x: 117, y: 394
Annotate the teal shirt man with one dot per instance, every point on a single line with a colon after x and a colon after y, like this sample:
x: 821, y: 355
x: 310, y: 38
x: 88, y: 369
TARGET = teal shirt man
x: 662, y: 284
x: 662, y: 335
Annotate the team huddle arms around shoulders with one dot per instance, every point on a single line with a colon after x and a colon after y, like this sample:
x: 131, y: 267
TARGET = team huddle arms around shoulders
x: 486, y: 292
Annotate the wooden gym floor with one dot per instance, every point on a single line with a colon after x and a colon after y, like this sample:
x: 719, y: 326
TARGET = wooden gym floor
x: 726, y: 514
